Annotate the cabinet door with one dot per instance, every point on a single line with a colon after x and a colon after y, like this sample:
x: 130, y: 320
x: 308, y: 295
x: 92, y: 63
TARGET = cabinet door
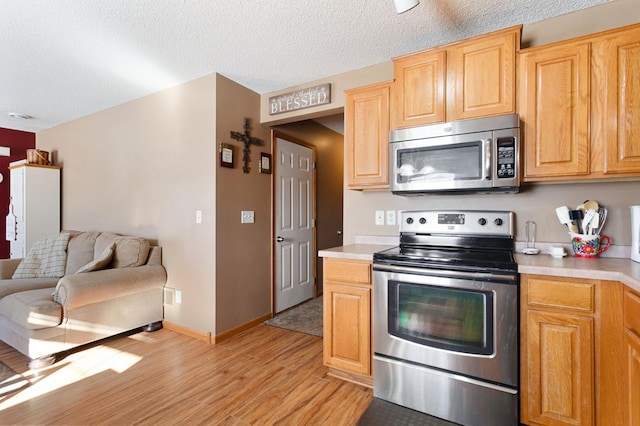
x: 418, y: 90
x: 481, y: 76
x: 559, y: 373
x: 347, y: 328
x: 632, y: 349
x: 367, y: 137
x: 633, y: 378
x: 620, y: 66
x: 554, y: 109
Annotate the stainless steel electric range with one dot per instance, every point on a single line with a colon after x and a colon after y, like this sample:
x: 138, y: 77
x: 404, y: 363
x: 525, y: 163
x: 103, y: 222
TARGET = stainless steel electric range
x: 445, y: 317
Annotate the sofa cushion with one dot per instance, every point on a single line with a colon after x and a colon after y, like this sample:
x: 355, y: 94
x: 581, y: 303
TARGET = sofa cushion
x: 101, y: 261
x: 11, y: 286
x: 80, y: 250
x: 130, y: 251
x: 32, y: 309
x: 47, y: 258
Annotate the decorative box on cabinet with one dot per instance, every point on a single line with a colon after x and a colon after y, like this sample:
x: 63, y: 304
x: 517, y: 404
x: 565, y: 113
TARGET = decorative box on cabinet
x: 366, y: 140
x: 571, y: 346
x: 34, y: 206
x: 467, y: 79
x: 576, y: 100
x: 347, y: 319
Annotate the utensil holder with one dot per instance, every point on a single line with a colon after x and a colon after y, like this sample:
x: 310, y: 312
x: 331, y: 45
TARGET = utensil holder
x: 589, y: 246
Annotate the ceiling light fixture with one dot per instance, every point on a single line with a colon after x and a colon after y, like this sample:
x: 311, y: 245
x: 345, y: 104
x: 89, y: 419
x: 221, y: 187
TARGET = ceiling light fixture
x: 17, y: 115
x: 404, y: 5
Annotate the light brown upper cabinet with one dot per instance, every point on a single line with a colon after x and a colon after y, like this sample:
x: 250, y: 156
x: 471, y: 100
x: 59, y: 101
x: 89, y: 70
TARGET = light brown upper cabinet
x: 481, y: 75
x: 366, y: 141
x: 577, y: 100
x: 616, y: 103
x: 418, y: 89
x: 468, y: 79
x: 554, y: 109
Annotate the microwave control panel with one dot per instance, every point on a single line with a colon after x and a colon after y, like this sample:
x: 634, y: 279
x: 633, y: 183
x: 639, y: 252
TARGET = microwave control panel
x: 506, y: 158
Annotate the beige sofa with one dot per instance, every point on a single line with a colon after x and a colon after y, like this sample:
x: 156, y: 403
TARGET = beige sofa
x: 76, y: 288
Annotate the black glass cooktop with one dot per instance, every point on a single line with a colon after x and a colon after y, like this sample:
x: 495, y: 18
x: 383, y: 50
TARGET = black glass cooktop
x: 449, y: 258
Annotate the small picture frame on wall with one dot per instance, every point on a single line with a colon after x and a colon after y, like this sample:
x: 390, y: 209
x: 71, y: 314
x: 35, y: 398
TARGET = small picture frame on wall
x: 227, y: 155
x: 265, y: 163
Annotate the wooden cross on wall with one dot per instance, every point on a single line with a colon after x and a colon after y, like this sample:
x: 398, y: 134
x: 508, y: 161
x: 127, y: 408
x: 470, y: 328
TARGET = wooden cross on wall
x: 247, y: 140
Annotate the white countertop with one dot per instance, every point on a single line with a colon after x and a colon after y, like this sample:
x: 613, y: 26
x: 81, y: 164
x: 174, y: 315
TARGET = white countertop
x: 603, y: 268
x: 623, y: 270
x: 354, y: 251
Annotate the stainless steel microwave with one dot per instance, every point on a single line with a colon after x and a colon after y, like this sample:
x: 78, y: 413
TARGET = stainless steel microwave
x: 476, y: 155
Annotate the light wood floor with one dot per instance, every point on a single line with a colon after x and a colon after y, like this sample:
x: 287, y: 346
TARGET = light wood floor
x: 264, y: 376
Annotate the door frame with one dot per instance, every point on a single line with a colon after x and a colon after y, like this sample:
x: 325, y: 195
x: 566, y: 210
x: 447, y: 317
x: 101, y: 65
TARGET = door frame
x: 275, y: 134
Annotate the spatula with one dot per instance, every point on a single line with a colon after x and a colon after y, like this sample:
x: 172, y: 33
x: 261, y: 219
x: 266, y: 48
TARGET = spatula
x: 563, y: 215
x: 586, y: 222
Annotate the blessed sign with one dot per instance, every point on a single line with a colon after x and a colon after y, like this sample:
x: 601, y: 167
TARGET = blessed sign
x: 300, y: 99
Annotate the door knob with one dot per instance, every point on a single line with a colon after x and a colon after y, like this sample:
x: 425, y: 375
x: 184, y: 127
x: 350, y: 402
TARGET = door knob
x: 339, y: 232
x: 279, y: 239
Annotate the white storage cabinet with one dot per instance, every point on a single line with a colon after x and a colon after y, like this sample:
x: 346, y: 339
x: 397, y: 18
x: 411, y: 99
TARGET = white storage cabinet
x: 34, y: 211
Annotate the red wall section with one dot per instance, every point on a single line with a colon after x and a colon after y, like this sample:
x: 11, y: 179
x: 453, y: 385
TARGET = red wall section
x: 18, y: 142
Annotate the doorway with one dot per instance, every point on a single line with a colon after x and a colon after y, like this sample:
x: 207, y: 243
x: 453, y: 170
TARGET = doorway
x: 326, y: 136
x: 294, y: 222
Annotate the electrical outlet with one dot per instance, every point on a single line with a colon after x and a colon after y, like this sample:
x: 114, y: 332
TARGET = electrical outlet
x: 391, y: 217
x: 178, y: 296
x: 169, y: 296
x: 379, y: 217
x: 247, y: 216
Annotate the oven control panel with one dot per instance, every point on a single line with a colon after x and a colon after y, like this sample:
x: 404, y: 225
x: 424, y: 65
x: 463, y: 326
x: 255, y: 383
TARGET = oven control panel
x: 476, y: 222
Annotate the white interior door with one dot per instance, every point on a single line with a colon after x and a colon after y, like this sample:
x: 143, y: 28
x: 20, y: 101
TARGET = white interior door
x: 294, y: 222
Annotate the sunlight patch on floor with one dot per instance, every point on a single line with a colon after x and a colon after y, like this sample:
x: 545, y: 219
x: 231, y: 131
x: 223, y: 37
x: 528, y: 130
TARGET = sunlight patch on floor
x: 70, y: 370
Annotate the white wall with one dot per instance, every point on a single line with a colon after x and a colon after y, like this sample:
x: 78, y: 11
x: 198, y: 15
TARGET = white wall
x: 143, y: 168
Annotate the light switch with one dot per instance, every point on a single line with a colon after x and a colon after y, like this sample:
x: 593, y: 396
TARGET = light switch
x: 198, y: 216
x: 247, y: 216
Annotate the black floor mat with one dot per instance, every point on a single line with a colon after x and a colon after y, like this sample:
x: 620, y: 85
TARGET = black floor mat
x: 383, y: 413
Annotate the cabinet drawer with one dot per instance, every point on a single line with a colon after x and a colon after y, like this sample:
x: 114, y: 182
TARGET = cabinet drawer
x: 632, y: 311
x: 556, y: 293
x: 349, y: 271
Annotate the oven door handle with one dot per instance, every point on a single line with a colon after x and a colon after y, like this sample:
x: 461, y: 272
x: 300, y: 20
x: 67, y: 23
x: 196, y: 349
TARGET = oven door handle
x: 445, y: 273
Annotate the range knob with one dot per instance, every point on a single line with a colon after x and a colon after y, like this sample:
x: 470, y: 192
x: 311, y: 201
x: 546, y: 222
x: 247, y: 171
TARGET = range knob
x: 482, y: 221
x: 498, y: 222
x: 422, y: 221
x: 409, y: 220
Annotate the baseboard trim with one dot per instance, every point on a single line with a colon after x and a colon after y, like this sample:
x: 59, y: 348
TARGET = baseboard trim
x: 212, y: 340
x: 205, y: 337
x: 239, y: 329
x: 358, y: 379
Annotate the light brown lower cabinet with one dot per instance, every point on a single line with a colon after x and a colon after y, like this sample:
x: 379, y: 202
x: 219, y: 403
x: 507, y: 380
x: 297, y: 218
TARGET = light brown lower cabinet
x: 347, y: 320
x: 571, y: 351
x: 632, y: 357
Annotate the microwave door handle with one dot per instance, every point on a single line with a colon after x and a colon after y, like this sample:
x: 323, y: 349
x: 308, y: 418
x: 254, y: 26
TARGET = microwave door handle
x: 487, y: 158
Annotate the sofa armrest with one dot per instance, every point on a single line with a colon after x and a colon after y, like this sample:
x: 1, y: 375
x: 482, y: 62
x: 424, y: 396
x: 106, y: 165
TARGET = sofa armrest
x: 8, y: 267
x: 83, y: 289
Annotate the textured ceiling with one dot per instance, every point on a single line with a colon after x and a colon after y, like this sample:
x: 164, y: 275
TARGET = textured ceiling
x: 65, y: 59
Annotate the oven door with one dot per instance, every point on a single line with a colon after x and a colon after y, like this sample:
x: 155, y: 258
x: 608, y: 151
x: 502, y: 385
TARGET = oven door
x: 456, y: 321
